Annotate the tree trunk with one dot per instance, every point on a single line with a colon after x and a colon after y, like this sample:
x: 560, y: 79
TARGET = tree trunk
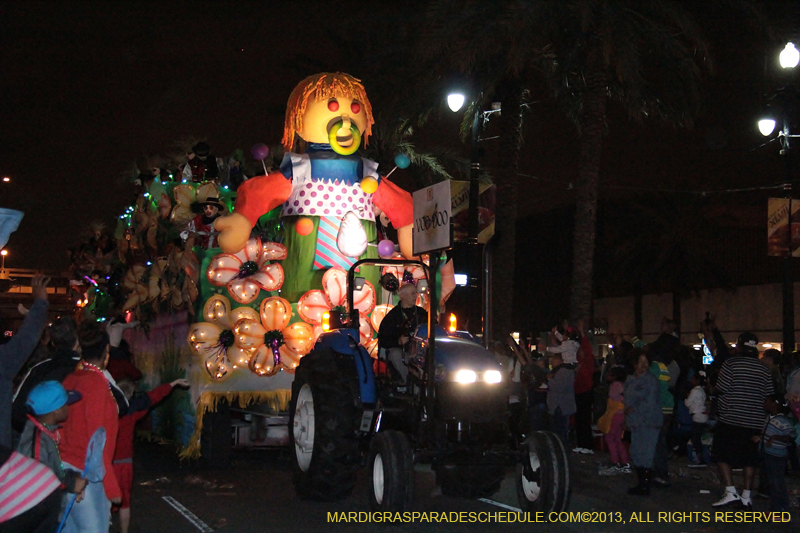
x: 510, y: 93
x: 592, y: 122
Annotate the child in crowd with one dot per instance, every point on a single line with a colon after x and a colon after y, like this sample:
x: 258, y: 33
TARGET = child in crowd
x: 613, y: 420
x: 47, y: 406
x: 696, y: 403
x: 123, y: 456
x: 775, y: 440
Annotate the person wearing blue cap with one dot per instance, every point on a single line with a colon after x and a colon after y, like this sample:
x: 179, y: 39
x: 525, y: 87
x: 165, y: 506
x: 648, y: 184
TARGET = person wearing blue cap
x: 47, y: 410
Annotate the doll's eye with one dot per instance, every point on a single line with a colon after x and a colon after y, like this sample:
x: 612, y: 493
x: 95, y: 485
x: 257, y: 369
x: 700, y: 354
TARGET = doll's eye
x: 355, y: 107
x: 333, y: 105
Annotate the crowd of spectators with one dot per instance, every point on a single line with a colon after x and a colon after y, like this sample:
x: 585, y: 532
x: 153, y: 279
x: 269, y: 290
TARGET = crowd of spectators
x: 66, y: 428
x: 737, y: 409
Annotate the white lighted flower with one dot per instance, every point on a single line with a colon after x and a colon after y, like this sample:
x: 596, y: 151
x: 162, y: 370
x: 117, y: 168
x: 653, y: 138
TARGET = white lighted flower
x: 249, y: 270
x: 213, y: 340
x: 268, y: 355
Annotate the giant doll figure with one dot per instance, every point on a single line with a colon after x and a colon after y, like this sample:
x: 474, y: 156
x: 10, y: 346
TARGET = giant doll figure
x: 328, y: 194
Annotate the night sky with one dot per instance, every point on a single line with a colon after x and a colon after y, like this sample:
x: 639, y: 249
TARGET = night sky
x: 89, y: 87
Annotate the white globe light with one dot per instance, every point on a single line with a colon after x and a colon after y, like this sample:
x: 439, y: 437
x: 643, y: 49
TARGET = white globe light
x: 766, y: 126
x: 790, y: 56
x: 455, y: 101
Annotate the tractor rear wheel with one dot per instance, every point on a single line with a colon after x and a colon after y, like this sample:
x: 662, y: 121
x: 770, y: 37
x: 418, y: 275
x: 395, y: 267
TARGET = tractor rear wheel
x: 322, y: 419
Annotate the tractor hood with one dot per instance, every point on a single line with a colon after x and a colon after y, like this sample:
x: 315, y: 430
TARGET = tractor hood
x: 455, y: 353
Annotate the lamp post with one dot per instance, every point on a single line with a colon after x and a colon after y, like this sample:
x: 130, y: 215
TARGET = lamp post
x: 786, y: 99
x: 3, y: 253
x: 455, y: 102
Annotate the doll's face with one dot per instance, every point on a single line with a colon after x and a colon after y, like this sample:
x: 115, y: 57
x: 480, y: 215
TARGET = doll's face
x: 210, y: 210
x: 320, y: 117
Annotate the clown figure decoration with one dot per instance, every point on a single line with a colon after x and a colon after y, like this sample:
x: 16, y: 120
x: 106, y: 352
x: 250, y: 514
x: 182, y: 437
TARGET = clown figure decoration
x: 328, y: 195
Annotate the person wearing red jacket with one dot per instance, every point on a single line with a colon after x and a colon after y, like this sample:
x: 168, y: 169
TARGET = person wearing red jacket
x: 98, y: 409
x: 123, y: 455
x: 584, y: 395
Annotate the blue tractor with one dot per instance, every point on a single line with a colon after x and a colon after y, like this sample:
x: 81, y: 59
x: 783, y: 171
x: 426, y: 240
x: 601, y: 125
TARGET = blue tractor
x: 451, y: 413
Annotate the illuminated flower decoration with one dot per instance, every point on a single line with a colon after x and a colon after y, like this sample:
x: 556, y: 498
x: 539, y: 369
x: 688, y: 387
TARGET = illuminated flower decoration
x: 312, y: 305
x: 334, y: 283
x: 213, y: 340
x: 248, y: 271
x: 365, y: 331
x: 273, y: 343
x: 364, y: 300
x: 377, y: 316
x: 185, y: 196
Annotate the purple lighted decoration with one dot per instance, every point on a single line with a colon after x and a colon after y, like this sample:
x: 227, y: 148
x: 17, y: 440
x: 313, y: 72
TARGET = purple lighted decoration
x: 260, y: 152
x: 276, y: 352
x: 408, y: 277
x: 385, y: 248
x: 274, y: 339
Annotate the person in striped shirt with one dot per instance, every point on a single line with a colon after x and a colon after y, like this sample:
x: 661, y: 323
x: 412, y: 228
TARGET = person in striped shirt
x: 30, y: 497
x: 742, y: 385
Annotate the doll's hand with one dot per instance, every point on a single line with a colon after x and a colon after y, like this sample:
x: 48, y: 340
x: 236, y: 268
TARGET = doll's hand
x: 183, y: 382
x: 405, y: 240
x: 234, y: 232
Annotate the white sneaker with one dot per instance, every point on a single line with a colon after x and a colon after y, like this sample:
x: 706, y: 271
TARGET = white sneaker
x: 576, y: 450
x: 586, y: 451
x: 624, y: 469
x: 730, y: 498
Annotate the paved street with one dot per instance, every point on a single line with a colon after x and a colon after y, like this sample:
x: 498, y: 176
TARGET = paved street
x: 256, y: 494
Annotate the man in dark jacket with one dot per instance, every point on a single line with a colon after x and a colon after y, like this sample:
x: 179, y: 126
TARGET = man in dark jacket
x: 398, y: 326
x: 62, y: 362
x: 15, y: 352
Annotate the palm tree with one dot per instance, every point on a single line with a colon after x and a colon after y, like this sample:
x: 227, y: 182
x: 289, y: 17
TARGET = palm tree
x: 496, y: 44
x: 648, y: 57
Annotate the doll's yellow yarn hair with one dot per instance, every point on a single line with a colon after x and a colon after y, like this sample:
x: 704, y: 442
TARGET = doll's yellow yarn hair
x: 322, y: 87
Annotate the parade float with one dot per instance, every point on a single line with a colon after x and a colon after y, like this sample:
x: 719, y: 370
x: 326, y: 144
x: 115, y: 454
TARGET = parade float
x: 233, y: 279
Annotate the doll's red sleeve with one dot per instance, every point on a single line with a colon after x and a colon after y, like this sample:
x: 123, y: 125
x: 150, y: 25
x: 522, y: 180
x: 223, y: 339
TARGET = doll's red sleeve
x: 262, y: 194
x: 395, y: 202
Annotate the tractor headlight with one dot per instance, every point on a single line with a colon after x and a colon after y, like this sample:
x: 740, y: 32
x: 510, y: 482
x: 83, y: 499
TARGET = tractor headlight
x: 492, y: 376
x: 465, y: 376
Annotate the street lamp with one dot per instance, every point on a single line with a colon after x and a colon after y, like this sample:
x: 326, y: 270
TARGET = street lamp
x: 455, y: 101
x: 3, y: 253
x: 785, y: 101
x: 789, y: 56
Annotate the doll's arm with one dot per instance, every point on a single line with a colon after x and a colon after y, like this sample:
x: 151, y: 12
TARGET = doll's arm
x: 399, y: 209
x: 254, y: 197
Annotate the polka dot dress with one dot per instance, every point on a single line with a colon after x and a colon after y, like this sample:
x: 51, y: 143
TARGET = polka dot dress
x: 328, y: 198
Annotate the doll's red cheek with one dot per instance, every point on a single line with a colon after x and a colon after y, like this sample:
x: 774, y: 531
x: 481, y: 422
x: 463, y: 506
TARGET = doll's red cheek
x: 333, y: 105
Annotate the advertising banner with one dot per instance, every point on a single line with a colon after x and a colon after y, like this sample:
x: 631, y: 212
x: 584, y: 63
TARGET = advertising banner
x: 779, y: 232
x: 486, y: 208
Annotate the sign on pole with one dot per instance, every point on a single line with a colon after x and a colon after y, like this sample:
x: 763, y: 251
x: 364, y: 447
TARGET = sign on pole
x: 783, y: 227
x: 432, y: 215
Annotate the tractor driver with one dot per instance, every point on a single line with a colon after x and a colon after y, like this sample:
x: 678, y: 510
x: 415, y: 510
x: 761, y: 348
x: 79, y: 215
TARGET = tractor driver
x: 398, y: 326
